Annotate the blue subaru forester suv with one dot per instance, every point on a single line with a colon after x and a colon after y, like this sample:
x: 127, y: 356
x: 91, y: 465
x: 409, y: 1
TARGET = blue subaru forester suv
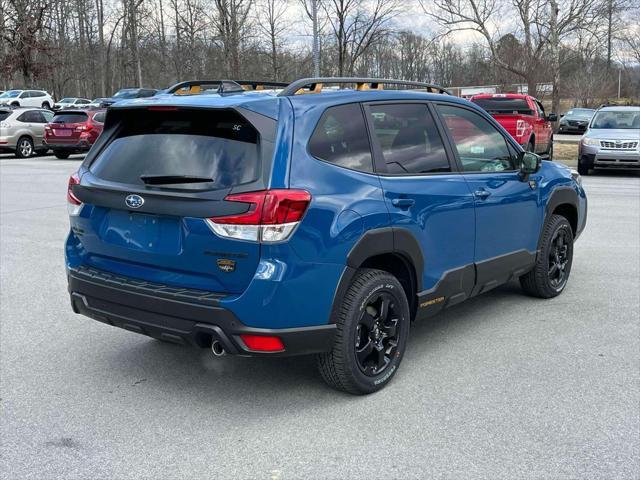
x: 272, y: 219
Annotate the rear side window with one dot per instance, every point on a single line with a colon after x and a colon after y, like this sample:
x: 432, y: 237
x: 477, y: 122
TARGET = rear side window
x: 341, y: 138
x: 30, y: 117
x: 504, y: 105
x: 409, y: 139
x: 70, y: 118
x: 99, y: 117
x: 219, y: 146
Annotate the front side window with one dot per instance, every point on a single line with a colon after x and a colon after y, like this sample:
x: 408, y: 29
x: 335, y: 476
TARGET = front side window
x: 409, y: 139
x: 480, y: 147
x: 341, y: 138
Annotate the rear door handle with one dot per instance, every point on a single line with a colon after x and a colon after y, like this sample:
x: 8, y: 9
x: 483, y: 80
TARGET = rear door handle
x: 403, y: 203
x: 482, y: 193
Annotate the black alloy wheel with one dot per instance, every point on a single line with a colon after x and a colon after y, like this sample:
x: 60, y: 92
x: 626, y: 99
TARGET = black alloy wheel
x: 376, y: 336
x: 558, y: 259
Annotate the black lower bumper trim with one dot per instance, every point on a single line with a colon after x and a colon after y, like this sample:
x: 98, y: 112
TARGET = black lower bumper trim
x: 124, y: 305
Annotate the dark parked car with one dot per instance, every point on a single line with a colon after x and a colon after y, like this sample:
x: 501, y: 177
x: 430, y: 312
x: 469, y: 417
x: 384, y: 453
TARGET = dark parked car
x: 128, y: 94
x: 575, y: 120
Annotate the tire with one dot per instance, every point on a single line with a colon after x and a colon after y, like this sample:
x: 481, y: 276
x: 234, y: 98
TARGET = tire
x: 24, y: 147
x: 553, y: 265
x: 46, y: 105
x: 530, y: 147
x: 583, y: 169
x: 15, y: 104
x: 549, y: 151
x: 62, y: 155
x: 360, y: 328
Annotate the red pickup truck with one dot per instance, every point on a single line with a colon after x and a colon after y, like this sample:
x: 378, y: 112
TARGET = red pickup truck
x: 523, y: 117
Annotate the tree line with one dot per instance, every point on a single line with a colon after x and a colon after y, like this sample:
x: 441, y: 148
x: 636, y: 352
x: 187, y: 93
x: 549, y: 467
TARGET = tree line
x: 93, y: 47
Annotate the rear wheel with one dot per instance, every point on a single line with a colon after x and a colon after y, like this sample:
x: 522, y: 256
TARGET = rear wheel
x: 62, y: 155
x: 549, y: 151
x: 553, y: 265
x: 24, y: 148
x: 372, y: 331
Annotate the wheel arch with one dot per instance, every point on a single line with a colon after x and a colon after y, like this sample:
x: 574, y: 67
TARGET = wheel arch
x: 393, y: 250
x: 562, y: 201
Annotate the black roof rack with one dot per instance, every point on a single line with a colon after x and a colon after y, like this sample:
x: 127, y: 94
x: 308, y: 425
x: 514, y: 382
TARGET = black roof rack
x: 315, y: 84
x: 226, y: 86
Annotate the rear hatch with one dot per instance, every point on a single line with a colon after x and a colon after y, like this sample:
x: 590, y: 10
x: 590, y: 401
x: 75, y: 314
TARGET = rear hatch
x: 150, y: 182
x: 66, y: 127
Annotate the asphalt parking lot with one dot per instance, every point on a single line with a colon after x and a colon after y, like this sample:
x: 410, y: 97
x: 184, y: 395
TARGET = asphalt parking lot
x: 501, y: 387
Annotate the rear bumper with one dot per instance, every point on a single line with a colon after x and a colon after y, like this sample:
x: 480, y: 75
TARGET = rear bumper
x: 179, y: 315
x: 68, y: 147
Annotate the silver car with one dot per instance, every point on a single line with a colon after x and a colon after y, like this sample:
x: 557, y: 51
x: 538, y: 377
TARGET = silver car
x: 611, y: 141
x: 22, y: 130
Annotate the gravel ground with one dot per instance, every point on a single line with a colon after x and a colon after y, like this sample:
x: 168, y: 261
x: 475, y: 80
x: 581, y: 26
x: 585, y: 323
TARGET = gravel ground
x: 500, y: 387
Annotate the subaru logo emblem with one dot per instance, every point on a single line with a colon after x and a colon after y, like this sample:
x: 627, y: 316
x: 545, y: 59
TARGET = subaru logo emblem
x: 134, y: 201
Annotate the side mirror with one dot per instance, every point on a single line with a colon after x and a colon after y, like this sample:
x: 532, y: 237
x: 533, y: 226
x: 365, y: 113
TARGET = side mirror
x: 529, y: 163
x: 552, y: 117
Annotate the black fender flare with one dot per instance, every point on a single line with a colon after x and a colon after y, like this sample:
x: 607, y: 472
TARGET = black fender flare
x: 375, y: 242
x: 379, y: 241
x: 560, y: 196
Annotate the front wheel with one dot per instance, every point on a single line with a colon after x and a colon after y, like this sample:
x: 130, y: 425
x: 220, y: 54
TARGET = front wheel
x: 583, y: 168
x: 46, y: 105
x: 371, y: 337
x: 24, y: 149
x: 553, y: 265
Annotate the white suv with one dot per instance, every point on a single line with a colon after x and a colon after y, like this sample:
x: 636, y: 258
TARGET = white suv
x: 27, y: 98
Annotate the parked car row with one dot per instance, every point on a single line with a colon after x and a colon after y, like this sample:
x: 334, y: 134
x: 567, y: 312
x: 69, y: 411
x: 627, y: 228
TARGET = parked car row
x: 29, y: 131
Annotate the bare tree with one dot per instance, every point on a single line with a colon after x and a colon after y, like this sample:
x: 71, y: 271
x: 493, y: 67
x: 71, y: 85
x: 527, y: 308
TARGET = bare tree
x: 271, y: 23
x: 539, y: 25
x: 357, y: 25
x: 231, y: 24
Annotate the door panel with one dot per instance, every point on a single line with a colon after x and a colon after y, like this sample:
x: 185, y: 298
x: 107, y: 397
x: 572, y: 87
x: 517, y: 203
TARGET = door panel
x: 507, y: 212
x: 426, y: 198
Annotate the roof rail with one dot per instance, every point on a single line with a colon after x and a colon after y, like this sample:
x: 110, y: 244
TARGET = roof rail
x: 315, y: 84
x: 223, y: 86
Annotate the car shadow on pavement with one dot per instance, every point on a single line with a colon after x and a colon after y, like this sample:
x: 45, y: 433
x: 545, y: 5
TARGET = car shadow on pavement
x: 196, y: 375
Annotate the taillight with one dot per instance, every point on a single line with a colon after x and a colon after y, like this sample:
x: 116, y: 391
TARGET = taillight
x: 81, y: 128
x: 74, y: 205
x: 521, y: 126
x: 262, y: 343
x: 272, y: 216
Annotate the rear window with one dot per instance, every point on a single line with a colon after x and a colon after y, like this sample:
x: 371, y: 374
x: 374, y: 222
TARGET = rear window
x: 504, y: 105
x: 4, y: 115
x: 70, y: 118
x: 341, y: 138
x: 217, y: 145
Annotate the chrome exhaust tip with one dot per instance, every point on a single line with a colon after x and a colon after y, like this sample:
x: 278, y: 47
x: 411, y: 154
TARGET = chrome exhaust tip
x: 217, y: 349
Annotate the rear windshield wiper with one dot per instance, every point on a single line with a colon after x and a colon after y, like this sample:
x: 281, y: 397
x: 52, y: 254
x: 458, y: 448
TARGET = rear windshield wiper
x: 171, y: 179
